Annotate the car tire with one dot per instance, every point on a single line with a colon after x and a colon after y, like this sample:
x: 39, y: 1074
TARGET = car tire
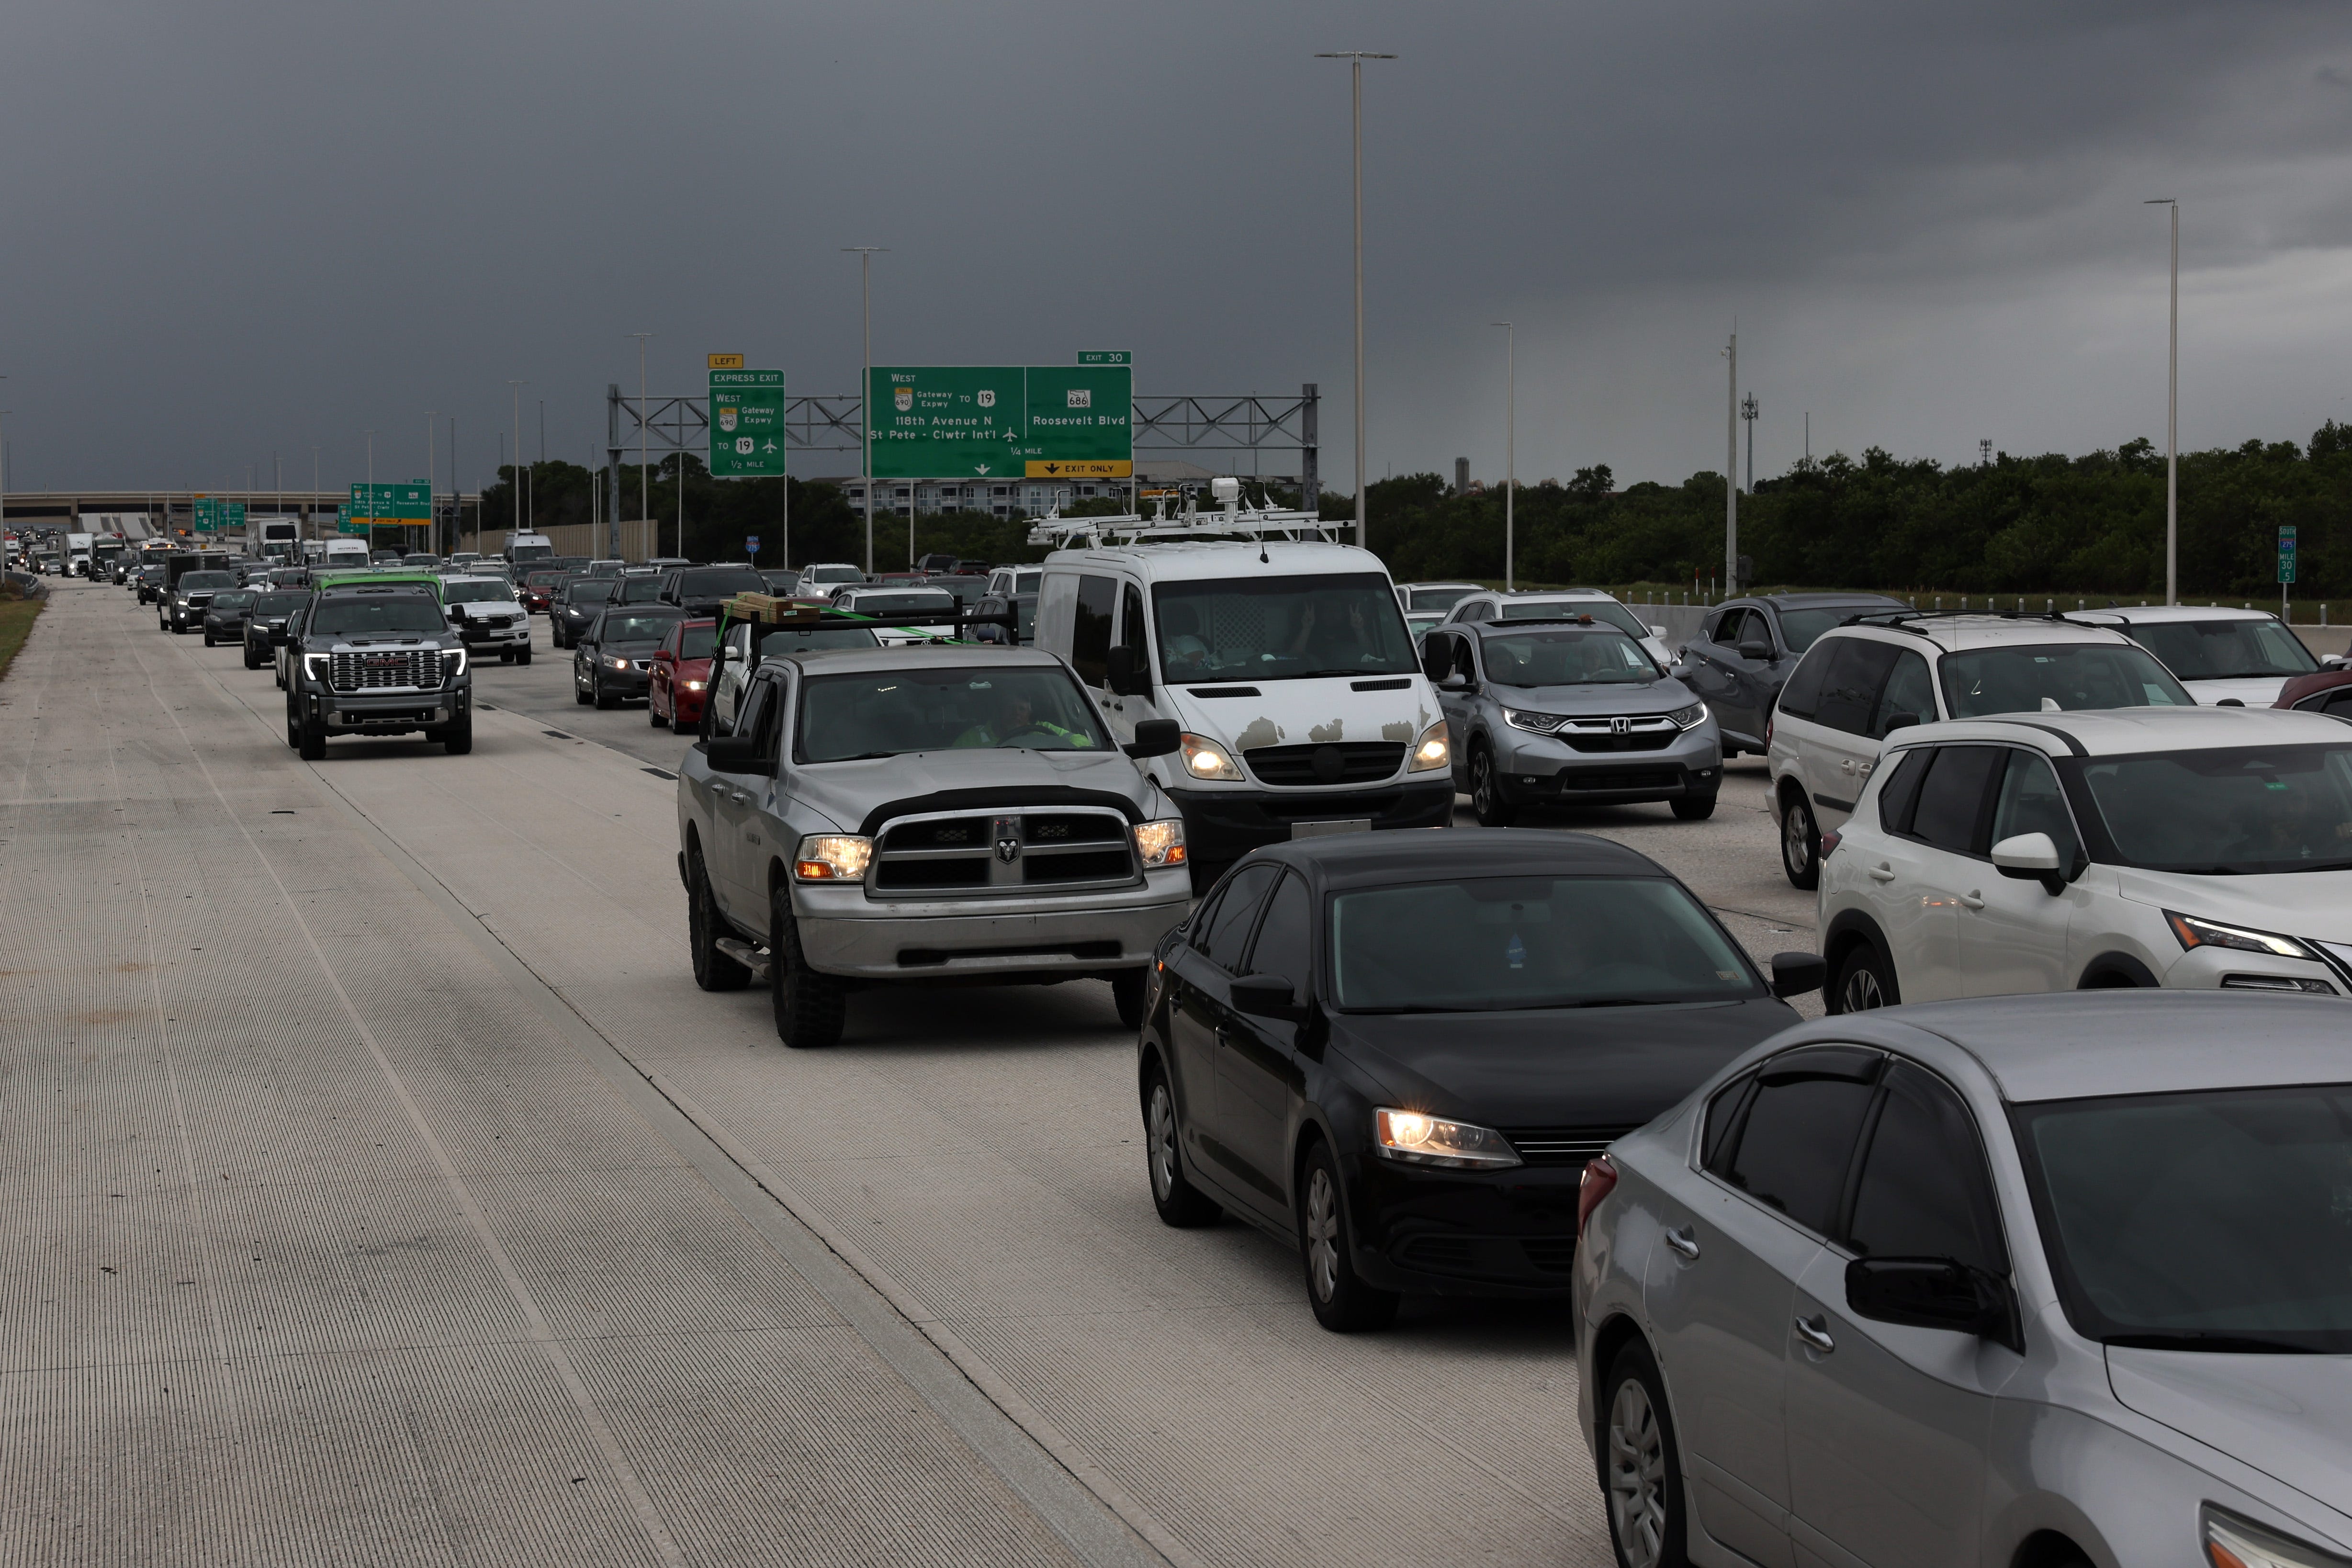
x: 1801, y: 846
x: 293, y: 730
x: 1693, y: 808
x: 713, y: 970
x: 1127, y: 989
x: 251, y: 662
x: 522, y: 655
x: 458, y: 737
x: 1641, y: 1485
x: 653, y: 715
x: 312, y: 741
x: 1865, y: 981
x: 1343, y: 1303
x: 208, y: 637
x: 579, y: 692
x: 505, y: 655
x: 599, y: 696
x: 809, y: 1005
x: 1486, y: 802
x: 1180, y: 1204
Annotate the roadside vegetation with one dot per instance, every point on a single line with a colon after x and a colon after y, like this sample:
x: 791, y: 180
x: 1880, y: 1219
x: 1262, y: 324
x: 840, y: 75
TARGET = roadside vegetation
x: 16, y: 617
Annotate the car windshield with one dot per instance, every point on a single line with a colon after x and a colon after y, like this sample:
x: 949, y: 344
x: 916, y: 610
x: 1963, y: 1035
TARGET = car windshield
x: 1282, y: 628
x: 884, y: 713
x: 2225, y: 650
x: 781, y: 582
x: 207, y: 580
x: 634, y: 627
x: 461, y: 592
x: 967, y: 591
x: 720, y: 582
x: 592, y: 589
x: 1802, y: 626
x: 640, y: 590
x: 544, y: 579
x: 925, y: 602
x: 835, y: 574
x: 530, y: 552
x: 1488, y: 944
x: 2241, y: 811
x: 1609, y: 612
x: 278, y: 604
x: 2057, y: 677
x: 1569, y: 656
x: 1438, y: 599
x: 234, y: 599
x: 2215, y: 1220
x: 695, y: 640
x: 799, y: 639
x: 378, y: 614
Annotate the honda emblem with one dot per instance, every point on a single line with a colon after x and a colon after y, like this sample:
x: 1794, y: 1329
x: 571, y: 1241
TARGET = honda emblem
x: 1620, y: 726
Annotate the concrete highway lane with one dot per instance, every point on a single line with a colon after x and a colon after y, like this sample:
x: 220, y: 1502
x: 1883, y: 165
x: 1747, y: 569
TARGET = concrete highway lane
x: 369, y: 1108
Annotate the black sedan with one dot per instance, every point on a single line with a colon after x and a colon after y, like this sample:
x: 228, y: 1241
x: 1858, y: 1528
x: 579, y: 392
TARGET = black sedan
x: 1397, y: 1051
x: 576, y: 606
x: 614, y: 659
x: 224, y: 615
x: 264, y: 624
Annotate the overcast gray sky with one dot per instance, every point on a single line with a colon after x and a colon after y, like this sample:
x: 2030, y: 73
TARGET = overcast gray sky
x: 249, y: 226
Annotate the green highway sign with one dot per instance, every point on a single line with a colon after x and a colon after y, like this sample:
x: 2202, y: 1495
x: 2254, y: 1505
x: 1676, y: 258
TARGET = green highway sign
x: 348, y: 522
x: 405, y: 505
x: 1105, y: 356
x: 941, y: 422
x: 211, y: 514
x: 747, y: 423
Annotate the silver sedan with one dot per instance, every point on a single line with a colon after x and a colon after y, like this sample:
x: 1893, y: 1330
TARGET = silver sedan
x: 2043, y: 1280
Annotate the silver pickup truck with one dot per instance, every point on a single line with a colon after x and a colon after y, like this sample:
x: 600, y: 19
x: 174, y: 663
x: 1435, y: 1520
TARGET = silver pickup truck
x: 885, y: 814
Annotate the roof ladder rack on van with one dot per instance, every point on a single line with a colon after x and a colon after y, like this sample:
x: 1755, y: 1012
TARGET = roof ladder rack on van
x: 1233, y: 519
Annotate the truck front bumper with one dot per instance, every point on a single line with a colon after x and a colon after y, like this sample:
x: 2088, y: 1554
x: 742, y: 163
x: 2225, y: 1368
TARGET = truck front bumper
x: 386, y: 713
x: 844, y: 932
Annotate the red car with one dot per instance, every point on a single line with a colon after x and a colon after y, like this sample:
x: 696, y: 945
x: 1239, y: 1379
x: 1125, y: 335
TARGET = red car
x: 2322, y: 691
x: 680, y: 677
x: 539, y: 589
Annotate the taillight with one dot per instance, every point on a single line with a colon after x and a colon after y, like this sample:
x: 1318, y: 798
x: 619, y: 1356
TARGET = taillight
x: 1598, y: 1180
x: 1829, y: 843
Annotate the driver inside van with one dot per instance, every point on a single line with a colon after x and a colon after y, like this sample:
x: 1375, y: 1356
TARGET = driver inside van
x: 1179, y: 639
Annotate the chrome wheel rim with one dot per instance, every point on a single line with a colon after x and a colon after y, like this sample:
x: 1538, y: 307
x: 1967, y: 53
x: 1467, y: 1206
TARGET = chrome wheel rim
x: 1637, y: 1477
x: 1322, y: 1235
x: 1861, y: 993
x: 1482, y: 783
x: 1796, y: 844
x: 1161, y: 1120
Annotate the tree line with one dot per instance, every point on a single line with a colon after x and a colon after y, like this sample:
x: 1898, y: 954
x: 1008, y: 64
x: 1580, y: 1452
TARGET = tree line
x: 2052, y: 524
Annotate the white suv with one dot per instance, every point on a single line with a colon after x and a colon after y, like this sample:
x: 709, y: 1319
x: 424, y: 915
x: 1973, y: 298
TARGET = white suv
x: 1860, y: 683
x: 2220, y: 655
x: 1487, y: 604
x: 2177, y: 846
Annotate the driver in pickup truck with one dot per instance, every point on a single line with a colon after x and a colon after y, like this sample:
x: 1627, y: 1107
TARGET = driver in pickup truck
x: 1014, y: 717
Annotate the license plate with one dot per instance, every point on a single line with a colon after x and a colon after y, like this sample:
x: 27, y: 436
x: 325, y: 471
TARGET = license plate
x: 1324, y: 829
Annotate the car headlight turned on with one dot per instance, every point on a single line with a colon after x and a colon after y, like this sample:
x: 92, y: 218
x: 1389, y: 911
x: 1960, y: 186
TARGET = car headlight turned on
x: 2194, y: 932
x: 1432, y: 750
x: 1417, y: 1138
x: 2233, y: 1542
x: 1537, y: 723
x: 1205, y: 759
x: 453, y: 663
x: 314, y: 665
x: 1689, y: 717
x: 617, y: 662
x: 1161, y: 843
x: 833, y: 857
x: 693, y: 685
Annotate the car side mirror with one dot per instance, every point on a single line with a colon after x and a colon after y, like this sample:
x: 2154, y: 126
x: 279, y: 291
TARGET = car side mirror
x: 1756, y: 648
x: 1456, y: 680
x: 2030, y: 858
x: 739, y: 754
x: 1794, y: 974
x: 1123, y: 673
x: 1264, y: 996
x: 1659, y: 633
x: 1934, y: 1293
x: 1155, y: 737
x: 457, y: 612
x: 1900, y: 722
x: 2336, y: 661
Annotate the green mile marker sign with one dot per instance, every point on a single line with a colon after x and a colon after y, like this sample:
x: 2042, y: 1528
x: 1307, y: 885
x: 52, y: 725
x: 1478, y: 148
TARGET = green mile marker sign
x: 747, y: 421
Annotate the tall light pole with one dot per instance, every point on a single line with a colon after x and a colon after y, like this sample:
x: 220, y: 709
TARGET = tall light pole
x: 643, y: 510
x: 866, y: 254
x: 2172, y: 419
x: 1748, y: 411
x: 514, y: 493
x: 1731, y: 471
x: 432, y: 490
x: 1356, y: 59
x: 370, y: 494
x: 1510, y: 450
x: 314, y: 493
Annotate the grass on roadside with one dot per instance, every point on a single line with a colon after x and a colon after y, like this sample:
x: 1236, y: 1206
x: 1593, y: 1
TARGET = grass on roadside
x: 15, y: 625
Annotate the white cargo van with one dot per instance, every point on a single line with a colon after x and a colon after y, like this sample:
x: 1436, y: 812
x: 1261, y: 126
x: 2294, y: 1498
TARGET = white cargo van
x: 1282, y: 656
x: 345, y: 552
x: 521, y: 547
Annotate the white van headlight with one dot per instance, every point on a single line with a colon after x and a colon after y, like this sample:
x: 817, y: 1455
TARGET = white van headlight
x: 1435, y: 750
x: 1205, y: 759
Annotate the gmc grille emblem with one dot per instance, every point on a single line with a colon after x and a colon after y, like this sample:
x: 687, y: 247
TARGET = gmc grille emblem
x: 1008, y: 839
x: 1620, y: 726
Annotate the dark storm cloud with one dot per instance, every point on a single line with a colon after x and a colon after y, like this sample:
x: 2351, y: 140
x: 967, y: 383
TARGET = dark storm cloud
x: 237, y: 229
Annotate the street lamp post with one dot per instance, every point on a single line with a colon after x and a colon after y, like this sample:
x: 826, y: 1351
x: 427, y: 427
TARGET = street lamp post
x: 2172, y: 419
x: 644, y: 511
x: 1510, y: 451
x: 432, y: 491
x: 370, y: 494
x: 1748, y: 411
x: 1356, y: 59
x: 514, y: 474
x: 1731, y: 471
x: 866, y: 254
